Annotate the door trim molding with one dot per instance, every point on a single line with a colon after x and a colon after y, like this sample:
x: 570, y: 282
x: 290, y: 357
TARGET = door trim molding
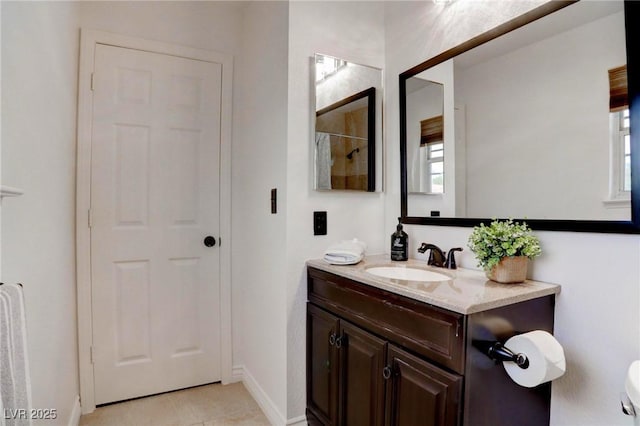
x: 88, y: 41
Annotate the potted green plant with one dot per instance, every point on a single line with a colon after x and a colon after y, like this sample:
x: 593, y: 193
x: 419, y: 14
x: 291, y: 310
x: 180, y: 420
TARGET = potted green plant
x: 503, y: 249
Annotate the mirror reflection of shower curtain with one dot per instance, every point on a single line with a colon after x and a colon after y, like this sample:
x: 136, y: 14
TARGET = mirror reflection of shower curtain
x: 323, y: 161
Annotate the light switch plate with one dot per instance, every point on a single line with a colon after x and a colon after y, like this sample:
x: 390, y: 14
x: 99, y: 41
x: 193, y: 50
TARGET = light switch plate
x: 274, y: 201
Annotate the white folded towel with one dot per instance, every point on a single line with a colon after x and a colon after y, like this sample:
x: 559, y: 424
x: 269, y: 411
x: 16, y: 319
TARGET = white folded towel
x: 6, y: 369
x: 348, y: 252
x: 15, y: 387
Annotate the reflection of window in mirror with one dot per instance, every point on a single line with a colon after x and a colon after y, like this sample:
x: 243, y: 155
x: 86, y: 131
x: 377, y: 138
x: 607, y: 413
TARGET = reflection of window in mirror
x: 620, y: 140
x: 434, y: 158
x: 432, y: 155
x: 327, y: 66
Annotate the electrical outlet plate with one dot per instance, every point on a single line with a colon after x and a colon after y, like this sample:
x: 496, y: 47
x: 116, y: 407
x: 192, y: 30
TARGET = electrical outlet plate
x: 319, y: 223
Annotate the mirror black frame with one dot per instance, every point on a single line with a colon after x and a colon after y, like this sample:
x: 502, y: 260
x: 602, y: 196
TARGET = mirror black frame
x: 632, y: 33
x: 370, y: 94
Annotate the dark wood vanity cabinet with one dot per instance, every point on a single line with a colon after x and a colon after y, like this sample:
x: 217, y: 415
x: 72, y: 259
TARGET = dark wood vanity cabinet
x: 419, y: 393
x: 356, y: 377
x: 377, y: 358
x: 345, y: 383
x: 351, y: 371
x: 322, y: 366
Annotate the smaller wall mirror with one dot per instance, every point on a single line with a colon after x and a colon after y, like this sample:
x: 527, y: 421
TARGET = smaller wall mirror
x: 347, y: 130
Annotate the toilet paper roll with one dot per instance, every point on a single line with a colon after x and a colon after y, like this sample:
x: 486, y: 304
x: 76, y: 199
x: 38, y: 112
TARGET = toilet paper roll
x: 545, y: 354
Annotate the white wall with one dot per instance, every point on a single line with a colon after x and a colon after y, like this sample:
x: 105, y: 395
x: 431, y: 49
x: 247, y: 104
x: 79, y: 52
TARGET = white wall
x: 353, y: 31
x: 39, y: 86
x: 569, y: 104
x: 259, y: 237
x: 269, y: 295
x: 39, y: 67
x: 1, y: 181
x: 597, y: 313
x: 212, y: 25
x: 39, y: 71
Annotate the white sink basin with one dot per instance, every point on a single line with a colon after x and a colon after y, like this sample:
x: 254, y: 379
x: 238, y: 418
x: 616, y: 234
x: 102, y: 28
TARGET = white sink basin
x: 407, y: 274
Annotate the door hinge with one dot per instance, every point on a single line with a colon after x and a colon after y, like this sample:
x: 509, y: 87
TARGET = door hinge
x: 89, y: 218
x: 92, y: 80
x: 91, y: 354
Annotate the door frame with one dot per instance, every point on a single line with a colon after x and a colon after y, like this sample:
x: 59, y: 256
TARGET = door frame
x: 89, y: 39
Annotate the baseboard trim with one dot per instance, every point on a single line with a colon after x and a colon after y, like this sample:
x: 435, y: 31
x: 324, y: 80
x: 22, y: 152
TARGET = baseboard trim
x: 297, y: 421
x: 240, y: 373
x: 74, y: 418
x: 266, y: 404
x: 237, y: 373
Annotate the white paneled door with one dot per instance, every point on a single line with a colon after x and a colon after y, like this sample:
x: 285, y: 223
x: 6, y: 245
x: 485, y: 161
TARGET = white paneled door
x: 155, y: 147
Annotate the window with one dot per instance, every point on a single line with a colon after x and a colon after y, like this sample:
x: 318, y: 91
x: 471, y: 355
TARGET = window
x: 626, y: 152
x: 620, y: 167
x: 620, y: 158
x: 432, y: 155
x: 435, y: 167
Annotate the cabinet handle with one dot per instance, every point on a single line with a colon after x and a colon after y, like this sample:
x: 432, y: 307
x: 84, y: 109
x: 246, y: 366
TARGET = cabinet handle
x: 332, y: 339
x: 386, y: 372
x: 339, y: 342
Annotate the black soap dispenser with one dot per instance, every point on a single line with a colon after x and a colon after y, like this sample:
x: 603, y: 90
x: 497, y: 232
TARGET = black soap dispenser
x: 399, y: 244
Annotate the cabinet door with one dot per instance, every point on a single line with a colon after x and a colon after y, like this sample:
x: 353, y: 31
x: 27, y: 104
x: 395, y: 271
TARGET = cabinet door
x: 322, y: 365
x: 362, y: 359
x: 419, y: 393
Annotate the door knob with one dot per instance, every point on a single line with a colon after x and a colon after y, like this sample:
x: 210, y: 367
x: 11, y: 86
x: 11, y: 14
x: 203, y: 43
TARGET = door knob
x: 209, y: 241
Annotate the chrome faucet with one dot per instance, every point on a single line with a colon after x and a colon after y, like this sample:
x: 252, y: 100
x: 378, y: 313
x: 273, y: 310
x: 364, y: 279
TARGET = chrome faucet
x: 437, y: 256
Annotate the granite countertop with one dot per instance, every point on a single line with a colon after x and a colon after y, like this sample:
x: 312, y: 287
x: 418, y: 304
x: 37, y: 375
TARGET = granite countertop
x: 467, y: 292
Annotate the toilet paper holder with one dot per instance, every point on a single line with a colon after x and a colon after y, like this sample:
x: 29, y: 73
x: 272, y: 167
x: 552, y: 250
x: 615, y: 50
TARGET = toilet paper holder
x: 498, y: 352
x: 627, y: 405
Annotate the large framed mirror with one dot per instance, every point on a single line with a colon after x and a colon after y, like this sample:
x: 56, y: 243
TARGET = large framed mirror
x: 532, y: 120
x: 347, y: 127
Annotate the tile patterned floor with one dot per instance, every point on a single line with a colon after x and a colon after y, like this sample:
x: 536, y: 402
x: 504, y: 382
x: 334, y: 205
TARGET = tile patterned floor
x: 210, y: 405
